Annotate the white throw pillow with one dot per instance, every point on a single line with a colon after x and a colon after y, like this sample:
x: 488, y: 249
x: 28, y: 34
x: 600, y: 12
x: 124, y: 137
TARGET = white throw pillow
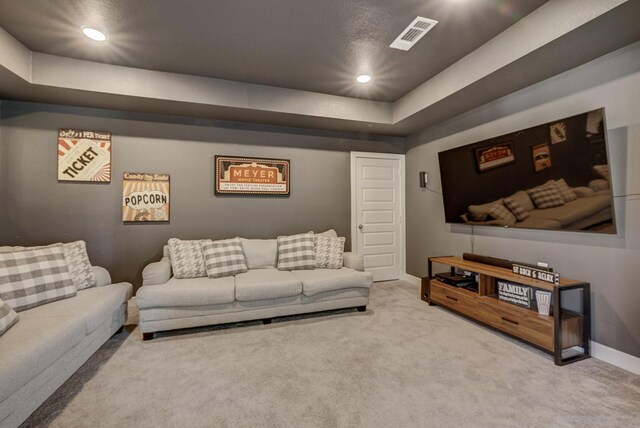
x: 329, y: 251
x: 8, y: 317
x: 186, y: 258
x: 33, y: 277
x: 296, y: 252
x: 224, y: 257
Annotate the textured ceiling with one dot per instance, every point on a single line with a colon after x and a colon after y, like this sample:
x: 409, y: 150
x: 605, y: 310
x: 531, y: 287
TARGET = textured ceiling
x: 313, y: 45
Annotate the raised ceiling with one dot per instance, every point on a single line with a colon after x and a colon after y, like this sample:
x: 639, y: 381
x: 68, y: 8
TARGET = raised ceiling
x: 294, y: 62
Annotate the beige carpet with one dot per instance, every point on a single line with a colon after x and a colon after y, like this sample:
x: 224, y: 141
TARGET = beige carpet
x: 400, y: 364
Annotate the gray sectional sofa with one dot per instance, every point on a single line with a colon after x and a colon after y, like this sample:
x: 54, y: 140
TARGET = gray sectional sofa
x: 592, y: 206
x: 263, y: 292
x: 50, y: 342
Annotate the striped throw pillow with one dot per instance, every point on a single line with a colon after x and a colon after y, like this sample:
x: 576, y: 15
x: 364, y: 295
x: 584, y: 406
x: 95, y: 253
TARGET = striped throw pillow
x: 8, y: 317
x: 33, y: 277
x: 296, y: 252
x: 224, y: 257
x: 517, y: 209
x: 546, y: 196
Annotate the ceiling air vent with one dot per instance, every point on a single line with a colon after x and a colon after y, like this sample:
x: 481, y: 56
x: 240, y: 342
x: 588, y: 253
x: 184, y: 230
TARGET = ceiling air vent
x: 414, y: 32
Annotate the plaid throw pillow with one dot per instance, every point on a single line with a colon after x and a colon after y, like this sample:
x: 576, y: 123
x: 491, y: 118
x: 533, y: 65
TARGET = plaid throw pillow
x: 516, y: 209
x: 224, y: 257
x: 8, y: 317
x: 77, y: 260
x: 33, y: 277
x: 565, y: 190
x: 186, y: 259
x: 296, y: 252
x: 329, y: 252
x: 500, y: 212
x: 546, y: 196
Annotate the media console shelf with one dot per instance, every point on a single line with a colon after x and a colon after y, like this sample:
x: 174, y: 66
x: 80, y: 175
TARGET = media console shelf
x: 553, y: 333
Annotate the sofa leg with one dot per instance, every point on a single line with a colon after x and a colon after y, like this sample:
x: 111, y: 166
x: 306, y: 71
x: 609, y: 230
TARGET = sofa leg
x: 362, y: 308
x: 147, y: 336
x: 266, y: 321
x: 120, y: 330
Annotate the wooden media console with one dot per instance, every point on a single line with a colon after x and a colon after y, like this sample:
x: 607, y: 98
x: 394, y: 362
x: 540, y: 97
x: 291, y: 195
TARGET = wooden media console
x: 554, y: 333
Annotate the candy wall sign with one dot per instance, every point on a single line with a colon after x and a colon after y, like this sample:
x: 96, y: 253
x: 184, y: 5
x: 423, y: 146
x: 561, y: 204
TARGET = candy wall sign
x: 145, y: 197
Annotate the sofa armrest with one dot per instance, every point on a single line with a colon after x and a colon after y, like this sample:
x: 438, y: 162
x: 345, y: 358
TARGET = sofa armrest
x: 157, y: 272
x: 102, y: 276
x: 354, y: 261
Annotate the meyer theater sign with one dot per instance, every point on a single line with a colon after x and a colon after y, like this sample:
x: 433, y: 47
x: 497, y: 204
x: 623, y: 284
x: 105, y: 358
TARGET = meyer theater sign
x: 252, y: 176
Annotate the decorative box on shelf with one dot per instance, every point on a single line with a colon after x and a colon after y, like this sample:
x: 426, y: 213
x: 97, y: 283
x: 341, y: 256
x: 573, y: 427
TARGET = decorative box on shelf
x: 505, y: 301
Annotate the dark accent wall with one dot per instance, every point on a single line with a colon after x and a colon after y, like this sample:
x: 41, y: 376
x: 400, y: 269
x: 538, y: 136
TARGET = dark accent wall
x: 39, y: 210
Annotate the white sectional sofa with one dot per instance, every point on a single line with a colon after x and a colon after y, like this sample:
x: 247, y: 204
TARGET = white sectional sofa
x: 50, y: 342
x: 262, y: 292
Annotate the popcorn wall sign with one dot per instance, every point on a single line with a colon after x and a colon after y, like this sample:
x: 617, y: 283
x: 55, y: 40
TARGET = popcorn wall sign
x: 84, y: 156
x: 145, y: 197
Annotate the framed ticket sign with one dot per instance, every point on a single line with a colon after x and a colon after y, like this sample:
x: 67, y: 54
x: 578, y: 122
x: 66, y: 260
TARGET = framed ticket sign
x: 145, y: 197
x: 252, y: 176
x: 84, y: 155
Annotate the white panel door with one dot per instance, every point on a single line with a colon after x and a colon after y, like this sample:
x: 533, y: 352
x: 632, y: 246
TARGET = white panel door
x: 378, y: 229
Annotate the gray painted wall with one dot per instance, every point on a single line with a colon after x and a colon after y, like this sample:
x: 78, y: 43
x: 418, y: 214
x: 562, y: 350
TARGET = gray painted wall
x: 610, y: 263
x: 40, y: 210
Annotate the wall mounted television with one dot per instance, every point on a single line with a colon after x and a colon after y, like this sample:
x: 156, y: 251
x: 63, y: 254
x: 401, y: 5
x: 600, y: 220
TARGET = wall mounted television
x: 553, y: 176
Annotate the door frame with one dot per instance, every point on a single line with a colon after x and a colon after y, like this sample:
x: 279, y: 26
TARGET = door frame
x: 354, y: 214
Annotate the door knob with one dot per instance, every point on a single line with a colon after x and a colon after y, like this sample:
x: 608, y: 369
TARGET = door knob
x: 360, y: 226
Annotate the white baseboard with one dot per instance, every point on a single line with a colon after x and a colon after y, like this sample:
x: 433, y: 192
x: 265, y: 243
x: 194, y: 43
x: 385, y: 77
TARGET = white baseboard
x: 615, y: 357
x: 412, y: 279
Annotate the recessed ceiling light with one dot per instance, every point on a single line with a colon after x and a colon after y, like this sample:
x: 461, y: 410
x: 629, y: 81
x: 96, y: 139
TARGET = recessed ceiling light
x: 94, y: 34
x: 363, y: 78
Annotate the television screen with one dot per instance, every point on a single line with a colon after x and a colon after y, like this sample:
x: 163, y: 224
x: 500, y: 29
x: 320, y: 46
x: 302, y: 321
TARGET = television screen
x: 552, y: 176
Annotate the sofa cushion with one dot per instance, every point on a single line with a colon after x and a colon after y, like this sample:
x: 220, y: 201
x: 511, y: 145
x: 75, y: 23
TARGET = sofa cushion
x: 224, y: 257
x: 500, y: 212
x: 296, y: 252
x: 574, y: 211
x: 518, y: 210
x: 8, y: 317
x: 187, y: 292
x: 599, y: 184
x: 266, y: 284
x: 583, y: 192
x: 94, y: 306
x: 321, y: 280
x: 565, y: 190
x: 260, y: 253
x: 186, y: 258
x: 480, y: 212
x: 79, y: 264
x: 33, y: 277
x: 546, y: 196
x: 329, y: 251
x: 32, y: 345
